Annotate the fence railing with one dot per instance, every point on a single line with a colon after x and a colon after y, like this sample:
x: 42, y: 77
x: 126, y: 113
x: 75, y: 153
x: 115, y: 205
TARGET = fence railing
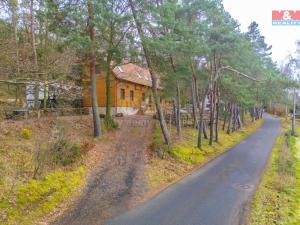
x: 15, y: 113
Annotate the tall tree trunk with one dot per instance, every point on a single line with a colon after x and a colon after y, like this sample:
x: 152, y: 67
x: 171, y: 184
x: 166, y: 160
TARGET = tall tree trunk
x: 161, y: 118
x: 261, y: 112
x: 234, y: 118
x: 200, y: 129
x: 204, y: 130
x: 174, y: 112
x: 178, y: 100
x: 294, y: 111
x: 243, y: 116
x: 224, y: 122
x: 35, y: 60
x: 256, y: 113
x: 194, y: 103
x: 201, y: 120
x: 217, y: 115
x: 178, y: 125
x: 252, y: 111
x: 108, y: 94
x: 239, y: 118
x: 14, y: 8
x: 43, y: 41
x: 230, y: 119
x: 211, y: 120
x: 198, y: 105
x: 225, y: 115
x: 195, y: 94
x: 213, y: 74
x: 92, y: 60
x: 108, y: 74
x: 45, y: 96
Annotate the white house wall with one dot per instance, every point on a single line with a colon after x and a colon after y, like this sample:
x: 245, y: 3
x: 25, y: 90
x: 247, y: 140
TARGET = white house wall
x: 115, y: 110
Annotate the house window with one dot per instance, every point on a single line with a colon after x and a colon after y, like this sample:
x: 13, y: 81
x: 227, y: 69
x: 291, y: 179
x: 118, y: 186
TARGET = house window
x: 131, y: 95
x: 144, y: 97
x: 97, y: 69
x: 122, y: 93
x: 137, y: 87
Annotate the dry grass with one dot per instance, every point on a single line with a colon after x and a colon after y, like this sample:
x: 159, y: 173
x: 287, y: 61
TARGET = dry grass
x: 24, y: 148
x: 277, y: 200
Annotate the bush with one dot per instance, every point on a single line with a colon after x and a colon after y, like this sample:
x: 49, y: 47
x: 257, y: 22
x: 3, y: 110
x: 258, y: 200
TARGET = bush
x: 109, y: 123
x: 26, y: 133
x: 41, y: 158
x: 65, y: 152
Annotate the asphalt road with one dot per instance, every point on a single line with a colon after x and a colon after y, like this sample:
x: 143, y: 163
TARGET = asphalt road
x: 217, y: 194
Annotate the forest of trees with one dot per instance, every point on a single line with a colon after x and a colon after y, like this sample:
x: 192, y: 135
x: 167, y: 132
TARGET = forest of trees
x: 195, y: 44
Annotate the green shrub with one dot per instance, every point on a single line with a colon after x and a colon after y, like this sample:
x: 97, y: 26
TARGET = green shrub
x: 26, y: 133
x: 109, y: 123
x: 65, y: 152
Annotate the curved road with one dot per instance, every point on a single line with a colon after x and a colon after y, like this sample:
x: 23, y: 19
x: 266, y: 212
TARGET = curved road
x: 216, y: 194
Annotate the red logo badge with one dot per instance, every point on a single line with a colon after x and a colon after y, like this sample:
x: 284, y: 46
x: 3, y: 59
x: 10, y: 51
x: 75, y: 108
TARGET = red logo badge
x: 286, y: 17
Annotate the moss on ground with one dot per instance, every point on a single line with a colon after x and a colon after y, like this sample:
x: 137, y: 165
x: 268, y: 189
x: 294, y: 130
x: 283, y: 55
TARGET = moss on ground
x: 171, y: 163
x: 39, y: 197
x: 277, y: 200
x: 32, y: 183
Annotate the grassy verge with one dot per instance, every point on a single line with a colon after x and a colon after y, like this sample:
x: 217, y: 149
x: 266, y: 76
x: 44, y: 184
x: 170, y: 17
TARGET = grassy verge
x: 171, y: 163
x: 37, y: 198
x: 277, y: 200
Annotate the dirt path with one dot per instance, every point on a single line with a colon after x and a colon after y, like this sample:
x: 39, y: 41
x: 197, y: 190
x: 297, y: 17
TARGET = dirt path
x: 117, y: 183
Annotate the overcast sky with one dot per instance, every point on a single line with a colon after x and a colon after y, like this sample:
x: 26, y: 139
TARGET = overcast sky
x: 282, y: 38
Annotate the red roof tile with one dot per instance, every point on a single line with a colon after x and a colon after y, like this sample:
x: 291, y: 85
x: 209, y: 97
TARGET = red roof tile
x: 133, y: 73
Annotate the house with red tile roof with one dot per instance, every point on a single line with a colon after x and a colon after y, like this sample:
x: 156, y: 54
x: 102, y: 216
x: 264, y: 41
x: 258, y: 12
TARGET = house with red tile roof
x: 130, y: 88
